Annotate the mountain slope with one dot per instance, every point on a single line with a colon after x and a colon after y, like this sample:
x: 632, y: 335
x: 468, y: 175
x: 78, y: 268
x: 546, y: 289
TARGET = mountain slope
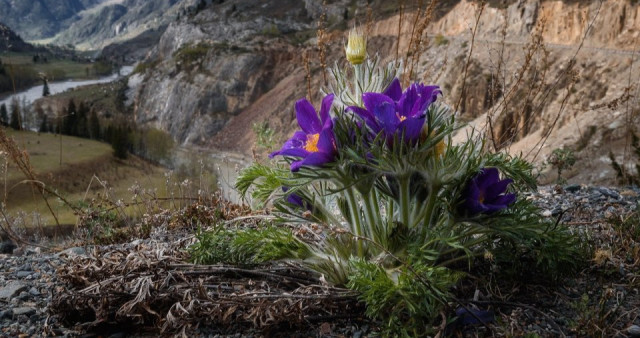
x: 118, y: 20
x: 216, y: 73
x: 41, y: 19
x: 10, y: 41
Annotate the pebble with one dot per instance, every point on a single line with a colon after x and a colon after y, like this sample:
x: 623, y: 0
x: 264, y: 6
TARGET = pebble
x: 75, y: 251
x: 27, y: 282
x: 12, y: 289
x: 634, y: 331
x: 23, y: 311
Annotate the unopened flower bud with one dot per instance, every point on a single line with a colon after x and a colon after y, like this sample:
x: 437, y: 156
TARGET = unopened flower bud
x: 356, y: 48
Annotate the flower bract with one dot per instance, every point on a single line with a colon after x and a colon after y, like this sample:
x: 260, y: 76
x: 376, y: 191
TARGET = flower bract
x: 485, y: 193
x: 315, y: 143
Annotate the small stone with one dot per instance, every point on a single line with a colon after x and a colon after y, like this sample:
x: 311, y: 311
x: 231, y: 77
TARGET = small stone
x: 75, y: 251
x: 34, y: 291
x: 7, y: 247
x: 23, y: 311
x: 547, y: 213
x: 573, y: 188
x: 634, y: 331
x: 6, y: 314
x: 25, y: 267
x: 23, y: 274
x: 12, y: 289
x: 609, y: 193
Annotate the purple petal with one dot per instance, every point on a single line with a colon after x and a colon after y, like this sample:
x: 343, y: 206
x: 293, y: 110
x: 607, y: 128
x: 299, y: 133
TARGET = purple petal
x: 383, y: 108
x: 295, y: 165
x: 411, y: 128
x: 297, y: 152
x: 327, y: 142
x: 307, y: 117
x: 367, y: 116
x: 394, y: 91
x: 296, y: 141
x: 317, y: 159
x: 326, y: 108
x: 407, y: 101
x: 295, y: 200
x: 505, y: 199
x: 314, y: 159
x: 487, y: 177
x: 417, y: 99
x: 497, y: 188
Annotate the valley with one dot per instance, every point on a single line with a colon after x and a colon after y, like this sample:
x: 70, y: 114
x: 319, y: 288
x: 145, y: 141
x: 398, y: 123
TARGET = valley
x: 320, y: 168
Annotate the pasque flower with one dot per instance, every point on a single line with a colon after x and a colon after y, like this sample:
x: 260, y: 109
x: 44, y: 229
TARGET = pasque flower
x: 316, y: 142
x: 485, y: 193
x: 356, y: 49
x: 394, y: 112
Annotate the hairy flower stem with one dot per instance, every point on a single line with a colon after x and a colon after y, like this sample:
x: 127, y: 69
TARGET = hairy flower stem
x: 357, y: 71
x: 370, y: 205
x: 405, y: 198
x: 355, y: 219
x: 429, y: 214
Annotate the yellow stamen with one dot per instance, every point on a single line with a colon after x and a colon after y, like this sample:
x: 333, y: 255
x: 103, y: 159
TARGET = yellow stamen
x: 402, y: 118
x: 481, y: 198
x: 312, y: 143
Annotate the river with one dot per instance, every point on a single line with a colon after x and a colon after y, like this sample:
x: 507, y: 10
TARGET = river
x: 35, y: 92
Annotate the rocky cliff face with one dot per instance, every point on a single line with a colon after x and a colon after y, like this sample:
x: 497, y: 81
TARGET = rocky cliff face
x: 211, y: 66
x: 217, y: 72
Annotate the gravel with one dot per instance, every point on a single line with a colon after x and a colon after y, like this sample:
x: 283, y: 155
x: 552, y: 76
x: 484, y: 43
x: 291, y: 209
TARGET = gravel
x: 28, y: 279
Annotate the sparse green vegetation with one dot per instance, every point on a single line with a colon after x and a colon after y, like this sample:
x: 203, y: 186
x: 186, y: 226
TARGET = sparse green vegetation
x: 623, y: 174
x: 562, y: 159
x: 142, y: 67
x: 440, y: 40
x: 271, y: 30
x: 189, y: 54
x: 264, y: 135
x: 81, y: 160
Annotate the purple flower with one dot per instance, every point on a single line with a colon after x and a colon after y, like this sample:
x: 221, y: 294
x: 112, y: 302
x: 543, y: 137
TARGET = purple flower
x: 395, y: 112
x: 315, y: 143
x: 297, y: 200
x: 485, y: 193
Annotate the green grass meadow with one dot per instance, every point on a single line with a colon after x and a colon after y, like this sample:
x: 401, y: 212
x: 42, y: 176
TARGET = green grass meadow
x: 88, y: 171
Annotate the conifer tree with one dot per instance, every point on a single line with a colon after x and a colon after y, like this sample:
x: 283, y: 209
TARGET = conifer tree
x: 82, y: 128
x: 120, y: 142
x: 15, y: 115
x: 44, y: 125
x: 69, y: 125
x: 4, y: 115
x: 94, y: 126
x: 45, y: 88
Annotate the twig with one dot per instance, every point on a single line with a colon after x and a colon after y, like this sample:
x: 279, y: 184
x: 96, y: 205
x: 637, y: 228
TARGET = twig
x: 466, y: 66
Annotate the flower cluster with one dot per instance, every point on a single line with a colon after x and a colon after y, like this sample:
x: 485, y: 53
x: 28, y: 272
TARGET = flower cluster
x: 378, y: 166
x: 315, y: 143
x: 396, y: 113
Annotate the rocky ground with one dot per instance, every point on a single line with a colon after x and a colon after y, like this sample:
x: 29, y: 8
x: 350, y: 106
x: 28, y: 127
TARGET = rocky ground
x: 39, y: 288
